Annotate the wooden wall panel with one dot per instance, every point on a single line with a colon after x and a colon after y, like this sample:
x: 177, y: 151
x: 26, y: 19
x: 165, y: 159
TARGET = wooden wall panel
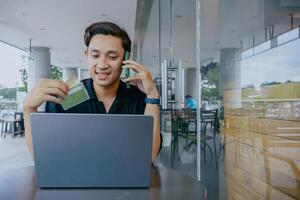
x: 262, y: 157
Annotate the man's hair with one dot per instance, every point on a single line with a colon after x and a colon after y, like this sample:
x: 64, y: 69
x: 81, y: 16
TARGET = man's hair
x: 107, y: 28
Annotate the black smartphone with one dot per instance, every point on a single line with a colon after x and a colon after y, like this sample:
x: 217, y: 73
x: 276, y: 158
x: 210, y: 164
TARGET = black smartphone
x: 127, y: 72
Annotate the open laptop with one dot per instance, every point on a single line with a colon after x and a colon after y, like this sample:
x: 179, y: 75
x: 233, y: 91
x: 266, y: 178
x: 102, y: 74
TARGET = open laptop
x: 92, y: 150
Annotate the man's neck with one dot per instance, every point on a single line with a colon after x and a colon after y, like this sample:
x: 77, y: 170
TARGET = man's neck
x: 106, y: 92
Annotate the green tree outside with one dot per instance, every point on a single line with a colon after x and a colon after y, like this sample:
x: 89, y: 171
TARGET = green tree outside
x: 210, y: 81
x: 55, y: 72
x: 24, y: 76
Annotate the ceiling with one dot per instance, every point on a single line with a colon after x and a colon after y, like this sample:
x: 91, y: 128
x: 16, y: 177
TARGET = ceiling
x: 60, y: 25
x: 225, y: 23
x: 234, y: 23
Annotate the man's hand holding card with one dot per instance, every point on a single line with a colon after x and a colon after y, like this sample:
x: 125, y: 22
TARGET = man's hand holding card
x: 76, y: 94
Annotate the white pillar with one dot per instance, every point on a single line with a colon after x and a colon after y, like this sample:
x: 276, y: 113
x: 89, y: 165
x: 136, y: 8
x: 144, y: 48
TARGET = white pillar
x: 69, y: 72
x: 83, y: 74
x: 38, y: 65
x: 191, y: 85
x: 230, y: 78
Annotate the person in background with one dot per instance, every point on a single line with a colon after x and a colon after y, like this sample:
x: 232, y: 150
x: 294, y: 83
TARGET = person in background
x: 190, y: 102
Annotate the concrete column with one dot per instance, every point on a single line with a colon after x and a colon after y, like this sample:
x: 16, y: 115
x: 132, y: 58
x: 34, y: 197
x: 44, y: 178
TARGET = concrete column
x: 69, y: 72
x: 230, y: 78
x: 83, y: 74
x: 38, y: 66
x: 191, y: 85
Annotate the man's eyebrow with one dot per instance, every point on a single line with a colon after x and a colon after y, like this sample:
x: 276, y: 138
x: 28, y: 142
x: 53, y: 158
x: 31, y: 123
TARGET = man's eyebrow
x: 94, y: 51
x: 112, y: 52
x: 108, y: 52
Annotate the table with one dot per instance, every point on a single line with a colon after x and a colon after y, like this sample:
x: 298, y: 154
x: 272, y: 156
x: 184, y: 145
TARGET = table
x: 165, y: 184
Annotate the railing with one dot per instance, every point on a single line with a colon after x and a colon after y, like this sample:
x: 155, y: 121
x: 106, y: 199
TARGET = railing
x: 7, y: 107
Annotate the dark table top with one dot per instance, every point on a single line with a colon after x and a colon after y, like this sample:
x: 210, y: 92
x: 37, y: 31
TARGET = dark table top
x: 165, y: 184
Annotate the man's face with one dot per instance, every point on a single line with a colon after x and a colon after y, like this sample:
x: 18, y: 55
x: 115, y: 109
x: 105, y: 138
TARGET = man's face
x: 104, y: 56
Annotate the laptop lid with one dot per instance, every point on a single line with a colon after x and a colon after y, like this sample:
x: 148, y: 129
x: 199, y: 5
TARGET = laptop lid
x: 92, y: 150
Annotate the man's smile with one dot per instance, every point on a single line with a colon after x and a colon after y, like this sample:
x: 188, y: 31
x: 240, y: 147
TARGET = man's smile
x: 102, y: 75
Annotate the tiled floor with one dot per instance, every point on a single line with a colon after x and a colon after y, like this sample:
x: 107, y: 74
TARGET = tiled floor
x: 14, y: 153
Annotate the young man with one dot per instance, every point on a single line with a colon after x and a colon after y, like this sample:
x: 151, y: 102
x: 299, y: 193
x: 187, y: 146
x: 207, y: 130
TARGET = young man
x: 106, y: 45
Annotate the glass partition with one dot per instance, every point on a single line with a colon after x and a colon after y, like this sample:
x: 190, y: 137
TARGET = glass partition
x: 238, y: 60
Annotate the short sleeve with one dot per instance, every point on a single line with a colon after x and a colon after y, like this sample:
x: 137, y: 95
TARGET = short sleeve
x: 141, y: 105
x: 53, y: 108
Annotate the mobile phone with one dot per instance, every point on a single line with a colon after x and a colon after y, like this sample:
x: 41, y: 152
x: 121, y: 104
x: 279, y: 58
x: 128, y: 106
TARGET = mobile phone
x: 127, y: 72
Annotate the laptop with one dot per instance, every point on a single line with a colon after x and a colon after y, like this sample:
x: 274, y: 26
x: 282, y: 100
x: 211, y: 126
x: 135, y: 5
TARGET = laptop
x: 92, y: 150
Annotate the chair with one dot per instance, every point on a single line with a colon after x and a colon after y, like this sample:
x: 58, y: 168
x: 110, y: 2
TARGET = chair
x: 16, y: 125
x: 178, y: 126
x: 19, y: 123
x: 209, y: 117
x: 2, y: 127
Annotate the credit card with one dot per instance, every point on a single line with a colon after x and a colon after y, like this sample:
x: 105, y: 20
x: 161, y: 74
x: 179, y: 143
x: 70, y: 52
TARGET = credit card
x: 77, y: 94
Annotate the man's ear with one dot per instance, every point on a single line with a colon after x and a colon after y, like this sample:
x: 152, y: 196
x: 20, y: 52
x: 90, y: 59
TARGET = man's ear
x: 85, y: 53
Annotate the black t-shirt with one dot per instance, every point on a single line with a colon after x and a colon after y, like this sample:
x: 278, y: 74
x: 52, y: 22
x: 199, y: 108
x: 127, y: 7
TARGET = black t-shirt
x: 127, y: 101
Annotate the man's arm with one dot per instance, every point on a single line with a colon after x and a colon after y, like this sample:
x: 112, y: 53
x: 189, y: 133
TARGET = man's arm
x: 45, y: 90
x: 143, y: 80
x: 153, y: 110
x: 28, y: 135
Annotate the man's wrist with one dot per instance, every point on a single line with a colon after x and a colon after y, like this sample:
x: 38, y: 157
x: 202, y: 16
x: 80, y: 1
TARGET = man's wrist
x: 152, y: 97
x: 153, y: 94
x: 152, y: 101
x: 28, y: 109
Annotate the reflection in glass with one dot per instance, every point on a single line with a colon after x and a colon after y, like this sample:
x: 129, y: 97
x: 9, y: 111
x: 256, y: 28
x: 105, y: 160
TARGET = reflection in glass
x: 288, y: 36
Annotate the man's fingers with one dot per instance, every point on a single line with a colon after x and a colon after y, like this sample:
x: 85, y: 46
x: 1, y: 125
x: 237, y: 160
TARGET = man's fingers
x: 56, y: 92
x: 62, y: 86
x: 133, y: 67
x: 57, y: 84
x: 137, y: 65
x: 133, y: 78
x: 48, y: 97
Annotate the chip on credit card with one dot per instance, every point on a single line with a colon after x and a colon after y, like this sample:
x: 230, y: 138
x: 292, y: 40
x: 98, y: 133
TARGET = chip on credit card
x: 77, y: 94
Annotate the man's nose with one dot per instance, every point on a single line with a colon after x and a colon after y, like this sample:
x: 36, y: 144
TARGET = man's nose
x: 101, y: 63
